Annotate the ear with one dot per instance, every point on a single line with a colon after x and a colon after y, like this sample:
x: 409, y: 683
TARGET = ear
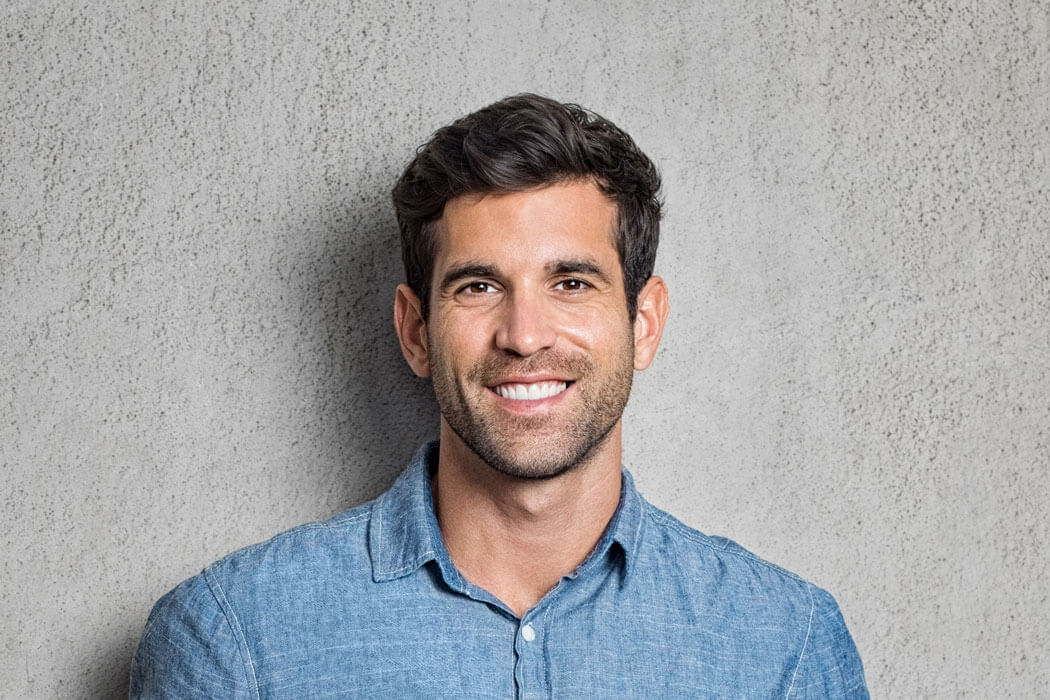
x: 649, y: 321
x: 411, y: 330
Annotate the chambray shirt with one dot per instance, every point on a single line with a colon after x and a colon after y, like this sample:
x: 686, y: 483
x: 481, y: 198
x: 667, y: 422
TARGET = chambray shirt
x: 369, y: 604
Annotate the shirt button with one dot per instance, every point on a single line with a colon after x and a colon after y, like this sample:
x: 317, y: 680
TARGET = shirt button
x: 528, y: 633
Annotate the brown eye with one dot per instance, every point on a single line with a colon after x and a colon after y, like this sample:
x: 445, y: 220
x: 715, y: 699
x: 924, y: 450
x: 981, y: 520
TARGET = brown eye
x: 572, y: 285
x: 475, y: 288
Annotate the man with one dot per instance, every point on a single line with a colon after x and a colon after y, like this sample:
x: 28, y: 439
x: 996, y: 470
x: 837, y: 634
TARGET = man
x: 514, y: 557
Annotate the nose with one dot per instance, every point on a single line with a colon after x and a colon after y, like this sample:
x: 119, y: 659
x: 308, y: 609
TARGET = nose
x: 526, y: 326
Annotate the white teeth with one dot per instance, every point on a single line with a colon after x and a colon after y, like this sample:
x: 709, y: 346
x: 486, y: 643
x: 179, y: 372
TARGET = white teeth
x: 531, y: 392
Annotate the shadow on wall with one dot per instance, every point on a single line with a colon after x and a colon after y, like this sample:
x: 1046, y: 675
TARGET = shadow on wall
x: 372, y: 410
x: 108, y: 680
x: 376, y: 409
x: 392, y: 411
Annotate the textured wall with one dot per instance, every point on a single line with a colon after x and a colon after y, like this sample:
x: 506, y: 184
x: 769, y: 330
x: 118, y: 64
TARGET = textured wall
x: 197, y: 264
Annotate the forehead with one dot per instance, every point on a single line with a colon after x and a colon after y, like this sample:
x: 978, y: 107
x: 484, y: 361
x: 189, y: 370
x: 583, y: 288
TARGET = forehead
x: 571, y: 219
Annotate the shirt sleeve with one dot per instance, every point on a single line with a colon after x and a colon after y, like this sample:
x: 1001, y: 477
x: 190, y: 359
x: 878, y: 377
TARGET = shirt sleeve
x: 830, y: 666
x: 191, y: 649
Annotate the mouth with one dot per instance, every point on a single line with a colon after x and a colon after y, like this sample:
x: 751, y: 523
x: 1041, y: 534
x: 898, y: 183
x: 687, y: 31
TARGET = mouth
x: 534, y: 391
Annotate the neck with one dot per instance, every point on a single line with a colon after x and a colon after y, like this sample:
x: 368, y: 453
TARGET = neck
x: 516, y: 538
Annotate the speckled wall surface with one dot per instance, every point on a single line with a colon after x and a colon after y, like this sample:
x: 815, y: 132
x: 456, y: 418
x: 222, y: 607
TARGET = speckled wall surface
x: 198, y: 259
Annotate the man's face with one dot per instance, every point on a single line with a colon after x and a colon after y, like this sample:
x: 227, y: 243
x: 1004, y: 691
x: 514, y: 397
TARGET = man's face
x: 531, y: 350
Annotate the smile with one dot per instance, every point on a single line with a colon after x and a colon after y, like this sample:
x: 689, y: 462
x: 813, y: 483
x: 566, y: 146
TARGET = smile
x: 530, y: 392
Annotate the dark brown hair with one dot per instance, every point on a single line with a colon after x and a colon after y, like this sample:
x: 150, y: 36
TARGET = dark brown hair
x: 520, y: 143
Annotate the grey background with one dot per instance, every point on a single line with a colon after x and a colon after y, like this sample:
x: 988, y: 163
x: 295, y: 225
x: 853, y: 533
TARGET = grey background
x: 198, y: 259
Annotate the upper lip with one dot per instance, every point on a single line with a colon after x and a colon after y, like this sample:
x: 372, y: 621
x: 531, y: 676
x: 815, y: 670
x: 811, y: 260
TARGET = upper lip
x: 529, y: 379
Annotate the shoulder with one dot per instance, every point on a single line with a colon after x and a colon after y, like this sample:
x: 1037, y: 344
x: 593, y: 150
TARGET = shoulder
x: 196, y: 644
x: 261, y: 574
x: 715, y: 574
x: 748, y: 597
x: 312, y: 548
x: 694, y: 550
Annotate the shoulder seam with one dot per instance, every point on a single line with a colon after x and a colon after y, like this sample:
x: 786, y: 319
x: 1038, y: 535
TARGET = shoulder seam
x: 235, y: 627
x: 705, y: 540
x: 805, y: 642
x: 348, y: 520
x: 292, y: 532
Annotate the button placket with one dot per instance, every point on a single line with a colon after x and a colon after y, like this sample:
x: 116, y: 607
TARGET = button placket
x: 530, y: 672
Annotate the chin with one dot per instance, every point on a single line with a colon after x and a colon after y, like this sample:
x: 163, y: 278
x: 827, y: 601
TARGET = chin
x: 538, y: 459
x: 531, y: 471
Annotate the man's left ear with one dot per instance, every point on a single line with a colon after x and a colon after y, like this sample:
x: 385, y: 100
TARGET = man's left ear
x: 649, y: 321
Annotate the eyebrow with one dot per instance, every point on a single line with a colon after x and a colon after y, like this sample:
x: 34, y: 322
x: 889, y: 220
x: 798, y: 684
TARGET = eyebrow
x: 460, y: 272
x: 582, y: 266
x: 585, y: 266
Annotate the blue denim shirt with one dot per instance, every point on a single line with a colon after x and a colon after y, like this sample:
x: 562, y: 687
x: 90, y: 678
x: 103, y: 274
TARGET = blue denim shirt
x: 369, y: 604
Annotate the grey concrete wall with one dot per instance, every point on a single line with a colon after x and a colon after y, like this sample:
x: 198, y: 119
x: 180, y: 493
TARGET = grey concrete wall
x: 198, y: 258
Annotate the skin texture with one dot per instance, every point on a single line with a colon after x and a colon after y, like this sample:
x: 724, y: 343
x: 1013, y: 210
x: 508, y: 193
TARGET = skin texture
x: 499, y: 317
x: 528, y: 289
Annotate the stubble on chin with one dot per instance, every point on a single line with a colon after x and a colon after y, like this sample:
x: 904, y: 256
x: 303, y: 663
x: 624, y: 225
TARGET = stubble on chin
x: 542, y: 446
x: 543, y: 456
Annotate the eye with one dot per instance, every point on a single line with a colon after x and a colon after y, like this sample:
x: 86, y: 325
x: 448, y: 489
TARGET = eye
x: 477, y: 288
x: 572, y: 285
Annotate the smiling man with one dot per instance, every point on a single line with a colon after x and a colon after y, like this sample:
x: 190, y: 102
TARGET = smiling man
x: 543, y: 328
x: 514, y: 557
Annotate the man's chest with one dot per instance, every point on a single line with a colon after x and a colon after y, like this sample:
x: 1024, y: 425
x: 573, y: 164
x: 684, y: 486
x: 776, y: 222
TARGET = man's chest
x: 453, y: 646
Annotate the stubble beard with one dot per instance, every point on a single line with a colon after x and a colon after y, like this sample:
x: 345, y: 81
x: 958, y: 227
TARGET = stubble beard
x: 535, y: 447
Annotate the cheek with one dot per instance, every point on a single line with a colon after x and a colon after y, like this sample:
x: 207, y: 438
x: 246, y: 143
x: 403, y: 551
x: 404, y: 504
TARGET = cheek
x: 461, y: 336
x: 606, y: 337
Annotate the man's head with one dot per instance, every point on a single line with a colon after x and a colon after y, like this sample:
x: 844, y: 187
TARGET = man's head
x: 522, y: 143
x: 528, y: 231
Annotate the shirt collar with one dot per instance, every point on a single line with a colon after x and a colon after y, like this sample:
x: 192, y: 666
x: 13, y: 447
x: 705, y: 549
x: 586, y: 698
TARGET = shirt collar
x: 404, y: 534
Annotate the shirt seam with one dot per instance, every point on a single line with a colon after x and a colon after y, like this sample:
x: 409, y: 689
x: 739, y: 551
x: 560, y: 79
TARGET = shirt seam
x: 805, y: 642
x: 294, y: 532
x: 705, y: 540
x: 376, y: 520
x: 343, y: 520
x: 408, y: 568
x: 238, y: 633
x: 157, y: 613
x: 381, y: 571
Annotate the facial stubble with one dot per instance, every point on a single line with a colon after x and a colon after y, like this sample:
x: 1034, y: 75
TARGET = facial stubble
x: 541, y: 446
